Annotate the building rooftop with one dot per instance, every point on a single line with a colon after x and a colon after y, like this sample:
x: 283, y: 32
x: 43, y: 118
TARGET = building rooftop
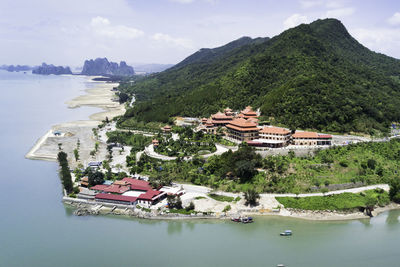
x: 241, y: 124
x: 115, y: 197
x: 117, y: 189
x: 248, y: 111
x: 274, y: 130
x: 221, y: 116
x: 136, y: 184
x: 99, y: 187
x: 305, y: 135
x: 149, y: 195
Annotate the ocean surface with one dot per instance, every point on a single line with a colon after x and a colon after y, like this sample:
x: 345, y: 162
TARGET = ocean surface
x: 36, y: 229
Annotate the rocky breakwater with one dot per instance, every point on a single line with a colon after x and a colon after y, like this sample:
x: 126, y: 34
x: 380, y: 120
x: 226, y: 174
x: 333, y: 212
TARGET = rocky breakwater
x: 45, y: 69
x: 101, y: 66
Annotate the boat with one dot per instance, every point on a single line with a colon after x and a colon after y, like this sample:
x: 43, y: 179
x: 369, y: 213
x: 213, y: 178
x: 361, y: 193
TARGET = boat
x: 247, y: 220
x: 236, y: 219
x: 286, y: 233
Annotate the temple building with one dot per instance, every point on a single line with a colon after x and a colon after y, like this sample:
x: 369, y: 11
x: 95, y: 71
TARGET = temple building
x: 311, y: 139
x: 221, y: 119
x: 242, y: 130
x: 273, y: 137
x: 248, y: 112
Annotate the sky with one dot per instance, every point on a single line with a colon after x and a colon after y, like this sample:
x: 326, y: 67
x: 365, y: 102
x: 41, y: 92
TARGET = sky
x: 167, y: 31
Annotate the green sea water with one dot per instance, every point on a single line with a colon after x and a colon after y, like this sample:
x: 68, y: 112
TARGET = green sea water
x: 36, y: 229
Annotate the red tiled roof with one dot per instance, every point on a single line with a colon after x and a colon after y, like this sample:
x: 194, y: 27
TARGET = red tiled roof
x: 325, y: 136
x: 248, y: 111
x: 116, y: 189
x: 242, y: 125
x: 149, y: 195
x: 221, y: 121
x: 115, y: 197
x: 305, y: 135
x: 274, y: 130
x: 99, y: 187
x: 136, y: 184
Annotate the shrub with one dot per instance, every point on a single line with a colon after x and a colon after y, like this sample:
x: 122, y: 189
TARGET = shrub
x: 190, y: 207
x: 227, y: 208
x: 251, y: 197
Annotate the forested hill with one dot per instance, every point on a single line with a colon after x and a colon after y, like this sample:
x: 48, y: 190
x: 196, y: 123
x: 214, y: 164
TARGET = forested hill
x: 311, y: 76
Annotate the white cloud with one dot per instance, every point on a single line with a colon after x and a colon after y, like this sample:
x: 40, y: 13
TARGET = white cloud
x: 340, y: 12
x: 395, y: 19
x: 182, y: 1
x: 180, y: 42
x: 310, y: 3
x: 295, y: 20
x: 383, y: 40
x: 102, y: 27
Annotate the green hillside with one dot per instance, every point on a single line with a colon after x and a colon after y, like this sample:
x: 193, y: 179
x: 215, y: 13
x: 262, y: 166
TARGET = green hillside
x: 311, y: 76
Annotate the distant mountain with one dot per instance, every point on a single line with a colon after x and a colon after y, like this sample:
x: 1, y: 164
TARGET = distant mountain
x: 311, y: 76
x: 151, y: 68
x: 17, y: 68
x: 101, y: 66
x: 45, y: 69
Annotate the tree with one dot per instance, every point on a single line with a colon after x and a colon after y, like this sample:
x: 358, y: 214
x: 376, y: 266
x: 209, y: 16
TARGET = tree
x: 76, y: 154
x: 394, y: 191
x: 251, y: 196
x: 190, y: 206
x: 95, y: 178
x: 65, y: 172
x: 174, y: 202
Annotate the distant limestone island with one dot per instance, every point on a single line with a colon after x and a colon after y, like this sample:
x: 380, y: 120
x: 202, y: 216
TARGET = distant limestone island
x: 45, y: 69
x: 101, y: 66
x: 17, y: 68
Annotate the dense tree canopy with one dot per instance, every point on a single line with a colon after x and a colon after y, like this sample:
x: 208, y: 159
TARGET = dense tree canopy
x: 312, y: 76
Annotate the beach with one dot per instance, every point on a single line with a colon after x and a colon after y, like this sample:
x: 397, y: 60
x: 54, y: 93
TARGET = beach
x: 68, y: 133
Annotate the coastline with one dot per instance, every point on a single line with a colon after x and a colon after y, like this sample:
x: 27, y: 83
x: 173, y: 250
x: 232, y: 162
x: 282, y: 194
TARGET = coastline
x: 100, y: 96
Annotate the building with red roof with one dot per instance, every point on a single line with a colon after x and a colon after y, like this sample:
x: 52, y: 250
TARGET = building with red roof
x: 248, y: 112
x: 99, y: 187
x: 274, y: 137
x: 242, y: 130
x: 115, y: 199
x: 311, y: 139
x: 137, y: 185
x: 151, y: 197
x: 116, y: 189
x: 221, y: 119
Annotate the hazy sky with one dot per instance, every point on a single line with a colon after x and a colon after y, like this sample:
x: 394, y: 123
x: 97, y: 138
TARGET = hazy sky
x: 166, y: 31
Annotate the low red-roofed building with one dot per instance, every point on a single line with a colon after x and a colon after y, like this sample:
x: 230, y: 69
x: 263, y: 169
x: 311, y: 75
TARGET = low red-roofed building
x: 166, y: 129
x: 311, y: 139
x: 116, y: 189
x: 137, y: 185
x: 115, y: 199
x: 151, y: 197
x: 99, y: 188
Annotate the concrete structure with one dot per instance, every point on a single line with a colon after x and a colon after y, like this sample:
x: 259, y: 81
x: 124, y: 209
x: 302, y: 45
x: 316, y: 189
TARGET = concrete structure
x: 273, y: 137
x: 311, y: 139
x: 242, y: 130
x: 117, y: 199
x: 151, y: 197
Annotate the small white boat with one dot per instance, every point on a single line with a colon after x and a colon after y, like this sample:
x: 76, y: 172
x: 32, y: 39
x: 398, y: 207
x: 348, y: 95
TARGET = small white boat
x: 286, y: 233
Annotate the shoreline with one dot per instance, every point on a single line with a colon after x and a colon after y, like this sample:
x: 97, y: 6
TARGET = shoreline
x: 100, y: 96
x: 85, y: 208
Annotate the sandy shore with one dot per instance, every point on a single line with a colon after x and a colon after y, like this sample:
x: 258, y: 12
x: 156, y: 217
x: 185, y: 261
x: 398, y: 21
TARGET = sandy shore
x: 101, y: 96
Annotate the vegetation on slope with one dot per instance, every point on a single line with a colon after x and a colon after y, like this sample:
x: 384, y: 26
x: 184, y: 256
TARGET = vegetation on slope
x: 312, y: 76
x: 344, y: 201
x: 365, y: 163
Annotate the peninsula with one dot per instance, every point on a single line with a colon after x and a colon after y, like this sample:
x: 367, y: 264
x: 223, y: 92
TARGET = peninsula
x: 176, y: 150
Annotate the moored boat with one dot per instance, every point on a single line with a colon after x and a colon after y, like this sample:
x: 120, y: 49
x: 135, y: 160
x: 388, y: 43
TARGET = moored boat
x: 286, y: 233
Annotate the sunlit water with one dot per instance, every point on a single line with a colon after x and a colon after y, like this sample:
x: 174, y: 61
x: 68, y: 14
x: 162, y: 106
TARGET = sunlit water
x: 37, y: 230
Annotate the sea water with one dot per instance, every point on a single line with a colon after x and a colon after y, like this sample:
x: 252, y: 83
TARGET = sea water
x: 36, y: 229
